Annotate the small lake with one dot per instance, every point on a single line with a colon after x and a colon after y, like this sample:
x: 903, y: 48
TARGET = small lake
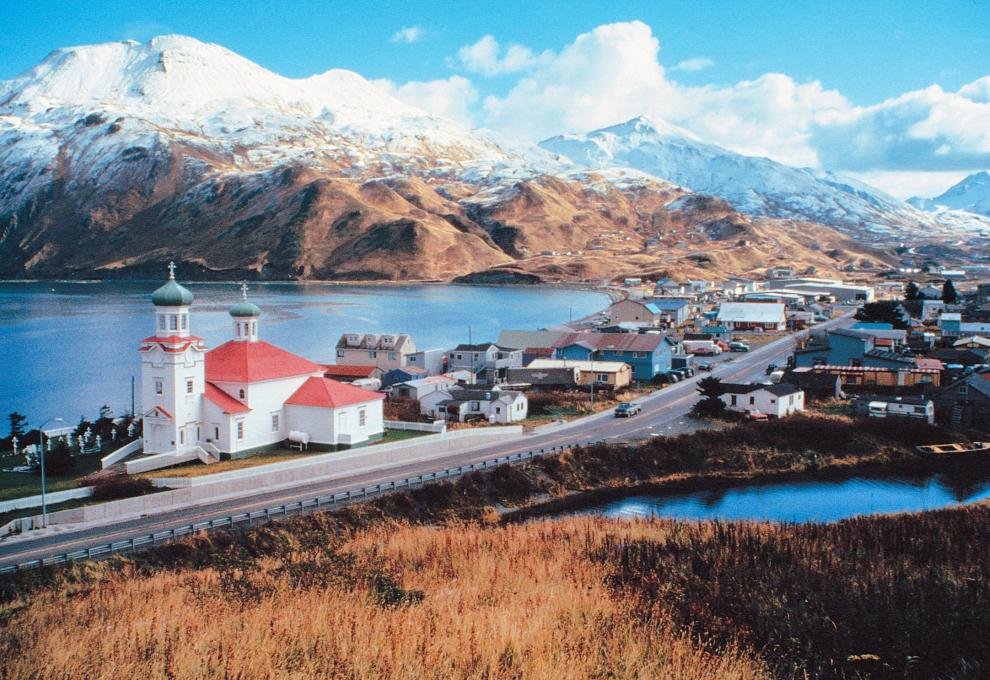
x: 68, y: 347
x: 806, y: 501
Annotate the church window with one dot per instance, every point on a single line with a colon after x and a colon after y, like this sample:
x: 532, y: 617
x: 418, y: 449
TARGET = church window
x: 190, y: 386
x: 173, y: 322
x: 240, y: 429
x: 240, y: 393
x: 182, y: 436
x: 362, y: 417
x: 254, y: 327
x: 161, y: 322
x: 184, y: 322
x: 158, y: 386
x: 275, y: 423
x: 216, y: 432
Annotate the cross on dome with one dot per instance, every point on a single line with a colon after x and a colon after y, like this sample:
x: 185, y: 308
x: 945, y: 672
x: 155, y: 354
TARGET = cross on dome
x: 171, y: 271
x: 244, y: 290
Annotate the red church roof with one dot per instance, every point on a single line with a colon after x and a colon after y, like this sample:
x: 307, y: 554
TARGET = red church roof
x: 226, y: 402
x: 253, y: 361
x: 327, y: 393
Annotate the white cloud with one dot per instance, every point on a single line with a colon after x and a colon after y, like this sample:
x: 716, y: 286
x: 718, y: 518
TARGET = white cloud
x: 614, y: 73
x: 924, y: 130
x: 451, y: 98
x: 693, y: 64
x: 487, y: 57
x: 407, y: 35
x: 907, y: 184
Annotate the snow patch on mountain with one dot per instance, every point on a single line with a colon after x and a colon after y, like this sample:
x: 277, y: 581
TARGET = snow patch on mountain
x: 758, y: 186
x: 972, y: 194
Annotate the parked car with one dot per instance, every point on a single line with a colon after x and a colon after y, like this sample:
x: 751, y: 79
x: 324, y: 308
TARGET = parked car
x: 627, y: 409
x: 705, y: 366
x: 681, y: 372
x: 673, y: 376
x: 738, y: 347
x: 756, y: 415
x: 771, y: 368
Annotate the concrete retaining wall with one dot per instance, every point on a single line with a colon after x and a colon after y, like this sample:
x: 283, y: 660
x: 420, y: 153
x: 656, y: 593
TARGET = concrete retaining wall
x: 121, y: 453
x: 160, y: 460
x: 188, y: 491
x: 50, y: 498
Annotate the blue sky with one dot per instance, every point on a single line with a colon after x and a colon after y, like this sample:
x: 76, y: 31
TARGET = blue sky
x: 868, y: 50
x: 709, y: 54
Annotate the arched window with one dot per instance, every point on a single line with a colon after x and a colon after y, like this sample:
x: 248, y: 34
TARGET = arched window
x: 161, y: 322
x: 241, y: 393
x: 184, y: 322
x: 254, y: 327
x: 173, y: 322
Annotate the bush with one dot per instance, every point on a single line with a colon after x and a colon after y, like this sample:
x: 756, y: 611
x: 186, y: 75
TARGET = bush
x: 406, y: 410
x: 121, y: 486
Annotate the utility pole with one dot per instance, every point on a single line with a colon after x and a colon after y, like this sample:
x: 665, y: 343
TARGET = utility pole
x: 132, y: 396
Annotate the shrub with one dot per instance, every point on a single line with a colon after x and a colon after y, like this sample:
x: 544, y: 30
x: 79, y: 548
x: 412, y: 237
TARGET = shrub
x: 121, y: 486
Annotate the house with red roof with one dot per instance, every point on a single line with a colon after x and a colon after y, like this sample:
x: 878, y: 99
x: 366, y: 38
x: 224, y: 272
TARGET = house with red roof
x: 246, y: 394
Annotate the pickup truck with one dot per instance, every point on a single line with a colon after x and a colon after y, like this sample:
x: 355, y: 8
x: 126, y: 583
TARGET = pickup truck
x: 738, y: 347
x: 627, y: 409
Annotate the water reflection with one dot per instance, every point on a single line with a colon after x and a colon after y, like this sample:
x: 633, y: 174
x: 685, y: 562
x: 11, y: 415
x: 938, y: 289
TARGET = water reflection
x: 807, y: 501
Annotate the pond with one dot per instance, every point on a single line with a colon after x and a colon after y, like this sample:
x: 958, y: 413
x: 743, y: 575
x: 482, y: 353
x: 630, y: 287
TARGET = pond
x: 805, y: 501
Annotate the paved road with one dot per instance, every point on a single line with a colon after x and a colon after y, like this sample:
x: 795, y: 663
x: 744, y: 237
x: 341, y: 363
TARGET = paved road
x: 664, y: 412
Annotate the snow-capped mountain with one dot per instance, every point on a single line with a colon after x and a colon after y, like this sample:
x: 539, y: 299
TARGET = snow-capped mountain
x: 972, y: 194
x: 756, y: 186
x: 116, y: 156
x: 97, y: 101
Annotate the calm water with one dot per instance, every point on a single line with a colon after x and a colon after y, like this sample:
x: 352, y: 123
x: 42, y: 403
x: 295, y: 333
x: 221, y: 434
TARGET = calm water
x: 67, y: 347
x: 821, y: 501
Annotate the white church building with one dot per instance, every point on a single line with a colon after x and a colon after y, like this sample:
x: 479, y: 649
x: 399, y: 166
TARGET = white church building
x: 245, y: 394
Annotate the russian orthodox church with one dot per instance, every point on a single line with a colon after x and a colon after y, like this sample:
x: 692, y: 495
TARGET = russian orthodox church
x: 245, y: 394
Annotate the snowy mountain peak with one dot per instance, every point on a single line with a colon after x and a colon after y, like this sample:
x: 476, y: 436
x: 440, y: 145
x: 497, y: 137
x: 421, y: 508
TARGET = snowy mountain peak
x: 758, y: 186
x: 175, y: 76
x: 971, y: 194
x: 649, y: 126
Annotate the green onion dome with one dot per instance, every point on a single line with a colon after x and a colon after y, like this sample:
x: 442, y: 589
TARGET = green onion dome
x: 245, y: 308
x: 171, y: 294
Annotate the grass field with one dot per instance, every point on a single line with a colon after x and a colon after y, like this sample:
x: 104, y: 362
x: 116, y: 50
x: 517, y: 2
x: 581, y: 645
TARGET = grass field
x: 19, y: 484
x: 436, y: 583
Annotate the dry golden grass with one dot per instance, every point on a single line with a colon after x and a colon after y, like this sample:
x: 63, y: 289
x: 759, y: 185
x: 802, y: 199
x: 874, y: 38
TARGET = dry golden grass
x: 520, y: 601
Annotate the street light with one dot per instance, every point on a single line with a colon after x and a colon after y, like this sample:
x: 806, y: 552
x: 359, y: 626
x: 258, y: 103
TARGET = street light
x: 41, y: 438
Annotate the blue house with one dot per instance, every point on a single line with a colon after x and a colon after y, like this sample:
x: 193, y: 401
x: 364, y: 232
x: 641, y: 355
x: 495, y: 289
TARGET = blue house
x: 404, y: 374
x: 866, y: 345
x: 646, y: 353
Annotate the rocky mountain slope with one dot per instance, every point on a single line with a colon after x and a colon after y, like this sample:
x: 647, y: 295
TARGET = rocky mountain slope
x: 116, y: 157
x: 756, y: 186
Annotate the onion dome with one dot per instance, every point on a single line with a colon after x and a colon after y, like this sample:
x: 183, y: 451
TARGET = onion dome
x: 171, y: 294
x: 245, y: 308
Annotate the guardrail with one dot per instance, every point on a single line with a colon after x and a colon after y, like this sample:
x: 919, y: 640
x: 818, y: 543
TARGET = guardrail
x: 286, y: 510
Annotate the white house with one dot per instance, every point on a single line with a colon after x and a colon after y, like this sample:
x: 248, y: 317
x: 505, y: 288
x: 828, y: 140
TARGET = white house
x: 245, y: 394
x: 462, y: 404
x: 417, y: 389
x: 774, y: 400
x: 752, y: 315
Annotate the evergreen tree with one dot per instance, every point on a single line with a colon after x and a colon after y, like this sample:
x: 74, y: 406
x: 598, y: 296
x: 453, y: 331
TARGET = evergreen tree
x: 710, y: 405
x: 911, y: 291
x: 949, y: 294
x: 58, y: 461
x: 17, y: 423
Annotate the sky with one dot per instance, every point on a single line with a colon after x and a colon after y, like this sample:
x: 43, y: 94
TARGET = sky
x: 893, y: 92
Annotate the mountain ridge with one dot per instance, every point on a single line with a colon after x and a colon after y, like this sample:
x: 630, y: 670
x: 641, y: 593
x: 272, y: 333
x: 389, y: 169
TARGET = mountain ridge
x: 115, y: 155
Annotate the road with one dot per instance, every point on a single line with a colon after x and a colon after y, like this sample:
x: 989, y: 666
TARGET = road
x: 664, y: 412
